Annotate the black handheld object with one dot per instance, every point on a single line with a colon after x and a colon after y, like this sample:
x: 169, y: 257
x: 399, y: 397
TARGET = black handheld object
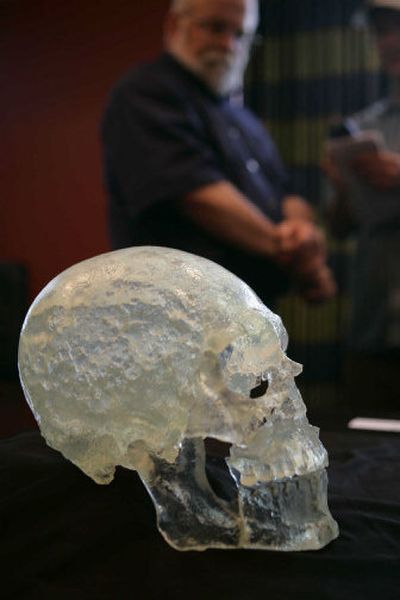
x: 348, y: 127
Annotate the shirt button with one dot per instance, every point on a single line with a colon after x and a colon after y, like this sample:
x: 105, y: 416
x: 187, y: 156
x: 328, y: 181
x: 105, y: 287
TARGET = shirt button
x: 252, y: 165
x: 233, y: 133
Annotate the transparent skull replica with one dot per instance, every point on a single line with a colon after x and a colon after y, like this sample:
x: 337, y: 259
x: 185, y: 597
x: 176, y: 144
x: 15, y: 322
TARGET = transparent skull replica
x: 134, y: 357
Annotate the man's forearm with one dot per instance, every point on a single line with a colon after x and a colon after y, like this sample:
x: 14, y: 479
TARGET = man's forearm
x: 225, y: 213
x: 295, y: 243
x: 295, y: 207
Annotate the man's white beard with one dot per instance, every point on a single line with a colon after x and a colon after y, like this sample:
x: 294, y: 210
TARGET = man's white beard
x: 222, y: 73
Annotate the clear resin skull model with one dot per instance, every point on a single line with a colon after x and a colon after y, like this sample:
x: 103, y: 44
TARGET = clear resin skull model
x: 138, y: 356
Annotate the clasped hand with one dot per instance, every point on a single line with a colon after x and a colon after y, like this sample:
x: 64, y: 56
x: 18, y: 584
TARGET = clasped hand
x: 301, y: 248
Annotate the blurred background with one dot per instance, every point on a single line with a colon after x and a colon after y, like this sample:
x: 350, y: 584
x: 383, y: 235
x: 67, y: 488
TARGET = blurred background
x: 314, y: 63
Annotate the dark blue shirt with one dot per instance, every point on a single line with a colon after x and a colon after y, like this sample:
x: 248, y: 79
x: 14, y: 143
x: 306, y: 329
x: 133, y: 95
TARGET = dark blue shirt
x: 166, y: 134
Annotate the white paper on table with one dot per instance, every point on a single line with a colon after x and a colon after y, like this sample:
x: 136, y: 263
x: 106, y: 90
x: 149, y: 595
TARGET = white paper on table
x: 374, y: 424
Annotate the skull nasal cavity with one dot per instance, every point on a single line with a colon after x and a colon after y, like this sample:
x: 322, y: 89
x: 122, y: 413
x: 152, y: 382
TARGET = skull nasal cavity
x: 259, y: 390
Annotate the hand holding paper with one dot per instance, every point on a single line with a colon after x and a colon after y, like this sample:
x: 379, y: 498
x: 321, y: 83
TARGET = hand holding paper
x: 380, y: 170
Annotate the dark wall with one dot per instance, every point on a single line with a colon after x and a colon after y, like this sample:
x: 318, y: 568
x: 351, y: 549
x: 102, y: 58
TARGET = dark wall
x: 58, y: 61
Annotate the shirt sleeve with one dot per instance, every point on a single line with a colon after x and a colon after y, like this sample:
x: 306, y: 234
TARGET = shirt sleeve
x: 156, y: 149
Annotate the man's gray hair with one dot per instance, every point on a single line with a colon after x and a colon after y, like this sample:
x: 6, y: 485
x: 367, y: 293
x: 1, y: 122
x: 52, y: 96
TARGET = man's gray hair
x: 179, y: 6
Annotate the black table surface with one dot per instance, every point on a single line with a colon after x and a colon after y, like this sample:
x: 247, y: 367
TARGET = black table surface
x: 62, y: 536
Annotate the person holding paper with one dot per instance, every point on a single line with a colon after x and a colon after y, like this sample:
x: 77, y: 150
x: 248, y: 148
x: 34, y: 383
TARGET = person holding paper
x: 365, y: 173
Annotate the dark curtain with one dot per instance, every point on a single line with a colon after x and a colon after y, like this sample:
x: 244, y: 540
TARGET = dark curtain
x: 316, y: 62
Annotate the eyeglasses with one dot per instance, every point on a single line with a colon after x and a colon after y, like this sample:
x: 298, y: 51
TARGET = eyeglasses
x: 217, y: 28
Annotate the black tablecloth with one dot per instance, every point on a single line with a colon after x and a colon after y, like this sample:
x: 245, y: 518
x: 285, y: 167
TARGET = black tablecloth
x: 62, y: 536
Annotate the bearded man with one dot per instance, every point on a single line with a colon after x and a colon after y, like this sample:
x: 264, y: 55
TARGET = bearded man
x: 188, y: 167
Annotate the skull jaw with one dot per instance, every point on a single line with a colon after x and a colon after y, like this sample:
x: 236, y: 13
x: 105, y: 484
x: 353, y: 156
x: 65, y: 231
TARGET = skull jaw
x: 289, y: 515
x: 190, y: 516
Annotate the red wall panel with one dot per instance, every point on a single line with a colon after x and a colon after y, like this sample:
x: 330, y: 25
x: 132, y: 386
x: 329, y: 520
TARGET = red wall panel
x: 58, y: 61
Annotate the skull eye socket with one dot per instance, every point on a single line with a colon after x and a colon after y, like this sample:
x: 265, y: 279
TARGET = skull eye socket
x: 260, y: 389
